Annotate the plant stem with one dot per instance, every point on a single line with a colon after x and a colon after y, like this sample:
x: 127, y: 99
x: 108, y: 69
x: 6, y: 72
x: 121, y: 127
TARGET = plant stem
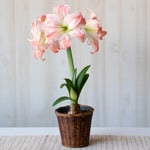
x: 71, y: 66
x: 70, y: 61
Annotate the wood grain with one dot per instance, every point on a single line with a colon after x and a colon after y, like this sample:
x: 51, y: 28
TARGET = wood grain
x: 119, y: 83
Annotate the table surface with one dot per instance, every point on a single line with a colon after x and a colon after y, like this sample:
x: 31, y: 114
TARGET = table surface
x: 49, y: 139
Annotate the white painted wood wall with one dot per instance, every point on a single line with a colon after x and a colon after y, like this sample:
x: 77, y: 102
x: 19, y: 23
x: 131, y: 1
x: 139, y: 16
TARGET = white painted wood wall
x: 119, y: 84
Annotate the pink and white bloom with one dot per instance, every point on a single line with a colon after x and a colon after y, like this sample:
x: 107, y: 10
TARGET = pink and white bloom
x: 54, y: 31
x: 38, y: 40
x: 63, y: 26
x: 93, y: 32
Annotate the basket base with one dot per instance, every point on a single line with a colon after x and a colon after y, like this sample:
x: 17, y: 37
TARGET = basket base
x: 78, y: 146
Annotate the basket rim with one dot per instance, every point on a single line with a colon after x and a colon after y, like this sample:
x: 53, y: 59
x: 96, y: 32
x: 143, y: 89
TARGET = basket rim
x: 85, y: 110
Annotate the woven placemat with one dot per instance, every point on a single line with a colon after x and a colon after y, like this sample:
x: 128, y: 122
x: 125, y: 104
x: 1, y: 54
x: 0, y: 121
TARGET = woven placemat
x: 97, y: 142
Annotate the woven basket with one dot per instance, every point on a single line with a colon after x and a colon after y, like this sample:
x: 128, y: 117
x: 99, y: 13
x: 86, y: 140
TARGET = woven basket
x: 75, y: 128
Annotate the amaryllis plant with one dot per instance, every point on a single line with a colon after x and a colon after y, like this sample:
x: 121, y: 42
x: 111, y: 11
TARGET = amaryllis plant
x: 54, y: 32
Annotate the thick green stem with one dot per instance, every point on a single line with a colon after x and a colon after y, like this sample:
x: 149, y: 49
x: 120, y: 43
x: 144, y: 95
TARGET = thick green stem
x: 70, y: 61
x: 71, y: 68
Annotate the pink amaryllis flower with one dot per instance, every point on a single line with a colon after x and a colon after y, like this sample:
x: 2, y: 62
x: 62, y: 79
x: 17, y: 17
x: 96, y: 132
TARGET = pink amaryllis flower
x: 93, y: 32
x: 38, y: 40
x: 63, y: 26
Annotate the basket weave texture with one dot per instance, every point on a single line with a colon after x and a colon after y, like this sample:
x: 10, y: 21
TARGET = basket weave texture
x: 75, y: 128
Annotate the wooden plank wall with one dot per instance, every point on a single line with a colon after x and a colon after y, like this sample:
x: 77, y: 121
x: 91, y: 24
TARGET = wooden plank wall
x: 119, y: 84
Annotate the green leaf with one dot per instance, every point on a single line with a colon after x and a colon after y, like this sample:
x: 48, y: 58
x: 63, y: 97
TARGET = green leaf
x: 62, y: 85
x: 83, y: 83
x: 81, y: 76
x: 66, y: 85
x: 61, y: 99
x: 69, y: 82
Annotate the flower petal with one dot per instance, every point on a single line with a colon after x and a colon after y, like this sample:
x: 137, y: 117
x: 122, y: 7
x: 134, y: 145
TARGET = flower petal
x: 95, y: 45
x: 65, y: 42
x: 94, y: 32
x: 54, y: 46
x: 61, y: 10
x: 74, y: 20
x: 39, y: 54
x: 92, y: 15
x: 79, y: 34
